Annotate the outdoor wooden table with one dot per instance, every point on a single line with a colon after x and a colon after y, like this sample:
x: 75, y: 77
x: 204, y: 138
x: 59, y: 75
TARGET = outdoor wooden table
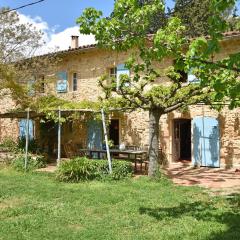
x: 135, y: 156
x: 122, y: 154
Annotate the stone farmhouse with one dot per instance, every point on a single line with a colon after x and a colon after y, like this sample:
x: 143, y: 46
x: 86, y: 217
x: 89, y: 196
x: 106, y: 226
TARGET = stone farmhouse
x: 202, y: 136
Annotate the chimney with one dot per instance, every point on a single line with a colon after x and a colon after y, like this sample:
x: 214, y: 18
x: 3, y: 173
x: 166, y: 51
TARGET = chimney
x: 74, y: 43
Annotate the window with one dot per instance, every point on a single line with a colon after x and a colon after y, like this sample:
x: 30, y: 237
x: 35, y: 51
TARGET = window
x: 42, y: 85
x: 74, y: 82
x: 113, y: 72
x: 191, y: 77
x: 122, y: 70
x: 62, y: 83
x: 116, y: 72
x: 31, y: 87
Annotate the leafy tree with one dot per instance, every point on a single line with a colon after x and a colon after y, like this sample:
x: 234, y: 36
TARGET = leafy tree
x: 158, y: 20
x: 234, y: 21
x: 195, y: 15
x: 18, y: 45
x: 147, y: 87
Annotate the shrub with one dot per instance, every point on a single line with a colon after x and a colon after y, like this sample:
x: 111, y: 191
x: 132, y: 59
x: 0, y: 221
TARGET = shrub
x: 32, y: 144
x: 33, y: 162
x: 9, y: 144
x: 82, y: 169
x: 121, y: 169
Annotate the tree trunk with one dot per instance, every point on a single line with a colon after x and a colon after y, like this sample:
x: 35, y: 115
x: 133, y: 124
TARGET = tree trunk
x: 154, y: 117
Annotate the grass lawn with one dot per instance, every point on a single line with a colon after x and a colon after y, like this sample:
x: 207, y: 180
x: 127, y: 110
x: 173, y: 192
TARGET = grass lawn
x: 36, y: 206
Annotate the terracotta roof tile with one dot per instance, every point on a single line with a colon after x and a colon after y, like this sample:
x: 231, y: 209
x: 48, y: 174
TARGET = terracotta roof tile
x: 91, y: 46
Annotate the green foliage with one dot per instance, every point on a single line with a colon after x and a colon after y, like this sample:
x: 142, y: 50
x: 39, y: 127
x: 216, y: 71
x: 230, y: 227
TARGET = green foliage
x: 117, y: 26
x: 9, y: 144
x: 19, y: 66
x: 135, y: 209
x: 49, y: 104
x: 194, y: 15
x: 33, y: 162
x: 19, y: 146
x: 32, y: 145
x: 83, y: 169
x: 22, y: 37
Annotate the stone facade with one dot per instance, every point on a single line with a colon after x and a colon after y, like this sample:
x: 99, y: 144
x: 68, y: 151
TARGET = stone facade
x: 90, y: 64
x: 8, y: 127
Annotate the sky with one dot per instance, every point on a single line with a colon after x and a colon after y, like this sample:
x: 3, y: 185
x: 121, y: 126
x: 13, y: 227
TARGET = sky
x: 56, y: 18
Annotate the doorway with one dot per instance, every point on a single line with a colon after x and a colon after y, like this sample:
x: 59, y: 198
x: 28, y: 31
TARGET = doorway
x: 182, y: 139
x: 94, y: 138
x: 114, y: 131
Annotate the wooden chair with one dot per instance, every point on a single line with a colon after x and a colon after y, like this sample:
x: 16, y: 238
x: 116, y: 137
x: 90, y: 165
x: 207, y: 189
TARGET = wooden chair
x: 142, y: 160
x: 72, y: 151
x: 69, y: 152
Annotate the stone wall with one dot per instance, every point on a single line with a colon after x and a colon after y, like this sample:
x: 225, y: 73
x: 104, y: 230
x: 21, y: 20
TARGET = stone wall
x: 90, y: 65
x: 8, y: 127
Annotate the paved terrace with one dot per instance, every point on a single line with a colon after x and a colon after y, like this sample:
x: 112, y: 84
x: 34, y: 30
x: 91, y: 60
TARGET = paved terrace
x: 217, y: 179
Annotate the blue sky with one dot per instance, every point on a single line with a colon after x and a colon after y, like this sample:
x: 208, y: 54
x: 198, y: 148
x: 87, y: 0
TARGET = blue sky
x: 61, y: 13
x: 56, y: 19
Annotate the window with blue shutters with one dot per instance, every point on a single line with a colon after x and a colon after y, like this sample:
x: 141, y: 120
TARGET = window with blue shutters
x: 62, y: 83
x: 192, y: 78
x: 121, y: 70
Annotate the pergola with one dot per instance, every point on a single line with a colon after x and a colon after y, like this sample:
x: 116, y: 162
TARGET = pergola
x: 29, y: 114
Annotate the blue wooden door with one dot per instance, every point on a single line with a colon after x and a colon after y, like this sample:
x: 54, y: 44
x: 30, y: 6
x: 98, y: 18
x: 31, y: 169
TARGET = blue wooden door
x: 94, y: 135
x: 206, y: 142
x: 23, y: 128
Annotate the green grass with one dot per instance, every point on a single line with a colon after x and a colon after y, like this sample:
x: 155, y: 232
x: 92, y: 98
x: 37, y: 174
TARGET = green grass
x: 36, y: 206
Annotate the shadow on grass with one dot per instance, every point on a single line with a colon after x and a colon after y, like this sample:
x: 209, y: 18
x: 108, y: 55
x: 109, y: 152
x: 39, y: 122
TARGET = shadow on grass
x: 205, y: 211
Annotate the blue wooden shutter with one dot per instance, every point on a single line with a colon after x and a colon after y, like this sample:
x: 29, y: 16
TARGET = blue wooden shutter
x: 95, y: 134
x: 206, y: 149
x: 62, y: 83
x: 121, y: 70
x: 23, y: 128
x: 197, y: 141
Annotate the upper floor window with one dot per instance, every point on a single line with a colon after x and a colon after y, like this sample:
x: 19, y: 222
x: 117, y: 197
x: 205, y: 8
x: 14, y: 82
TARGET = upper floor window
x: 31, y: 87
x: 74, y: 82
x: 191, y: 77
x: 113, y: 72
x: 116, y: 72
x: 62, y: 82
x: 122, y: 70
